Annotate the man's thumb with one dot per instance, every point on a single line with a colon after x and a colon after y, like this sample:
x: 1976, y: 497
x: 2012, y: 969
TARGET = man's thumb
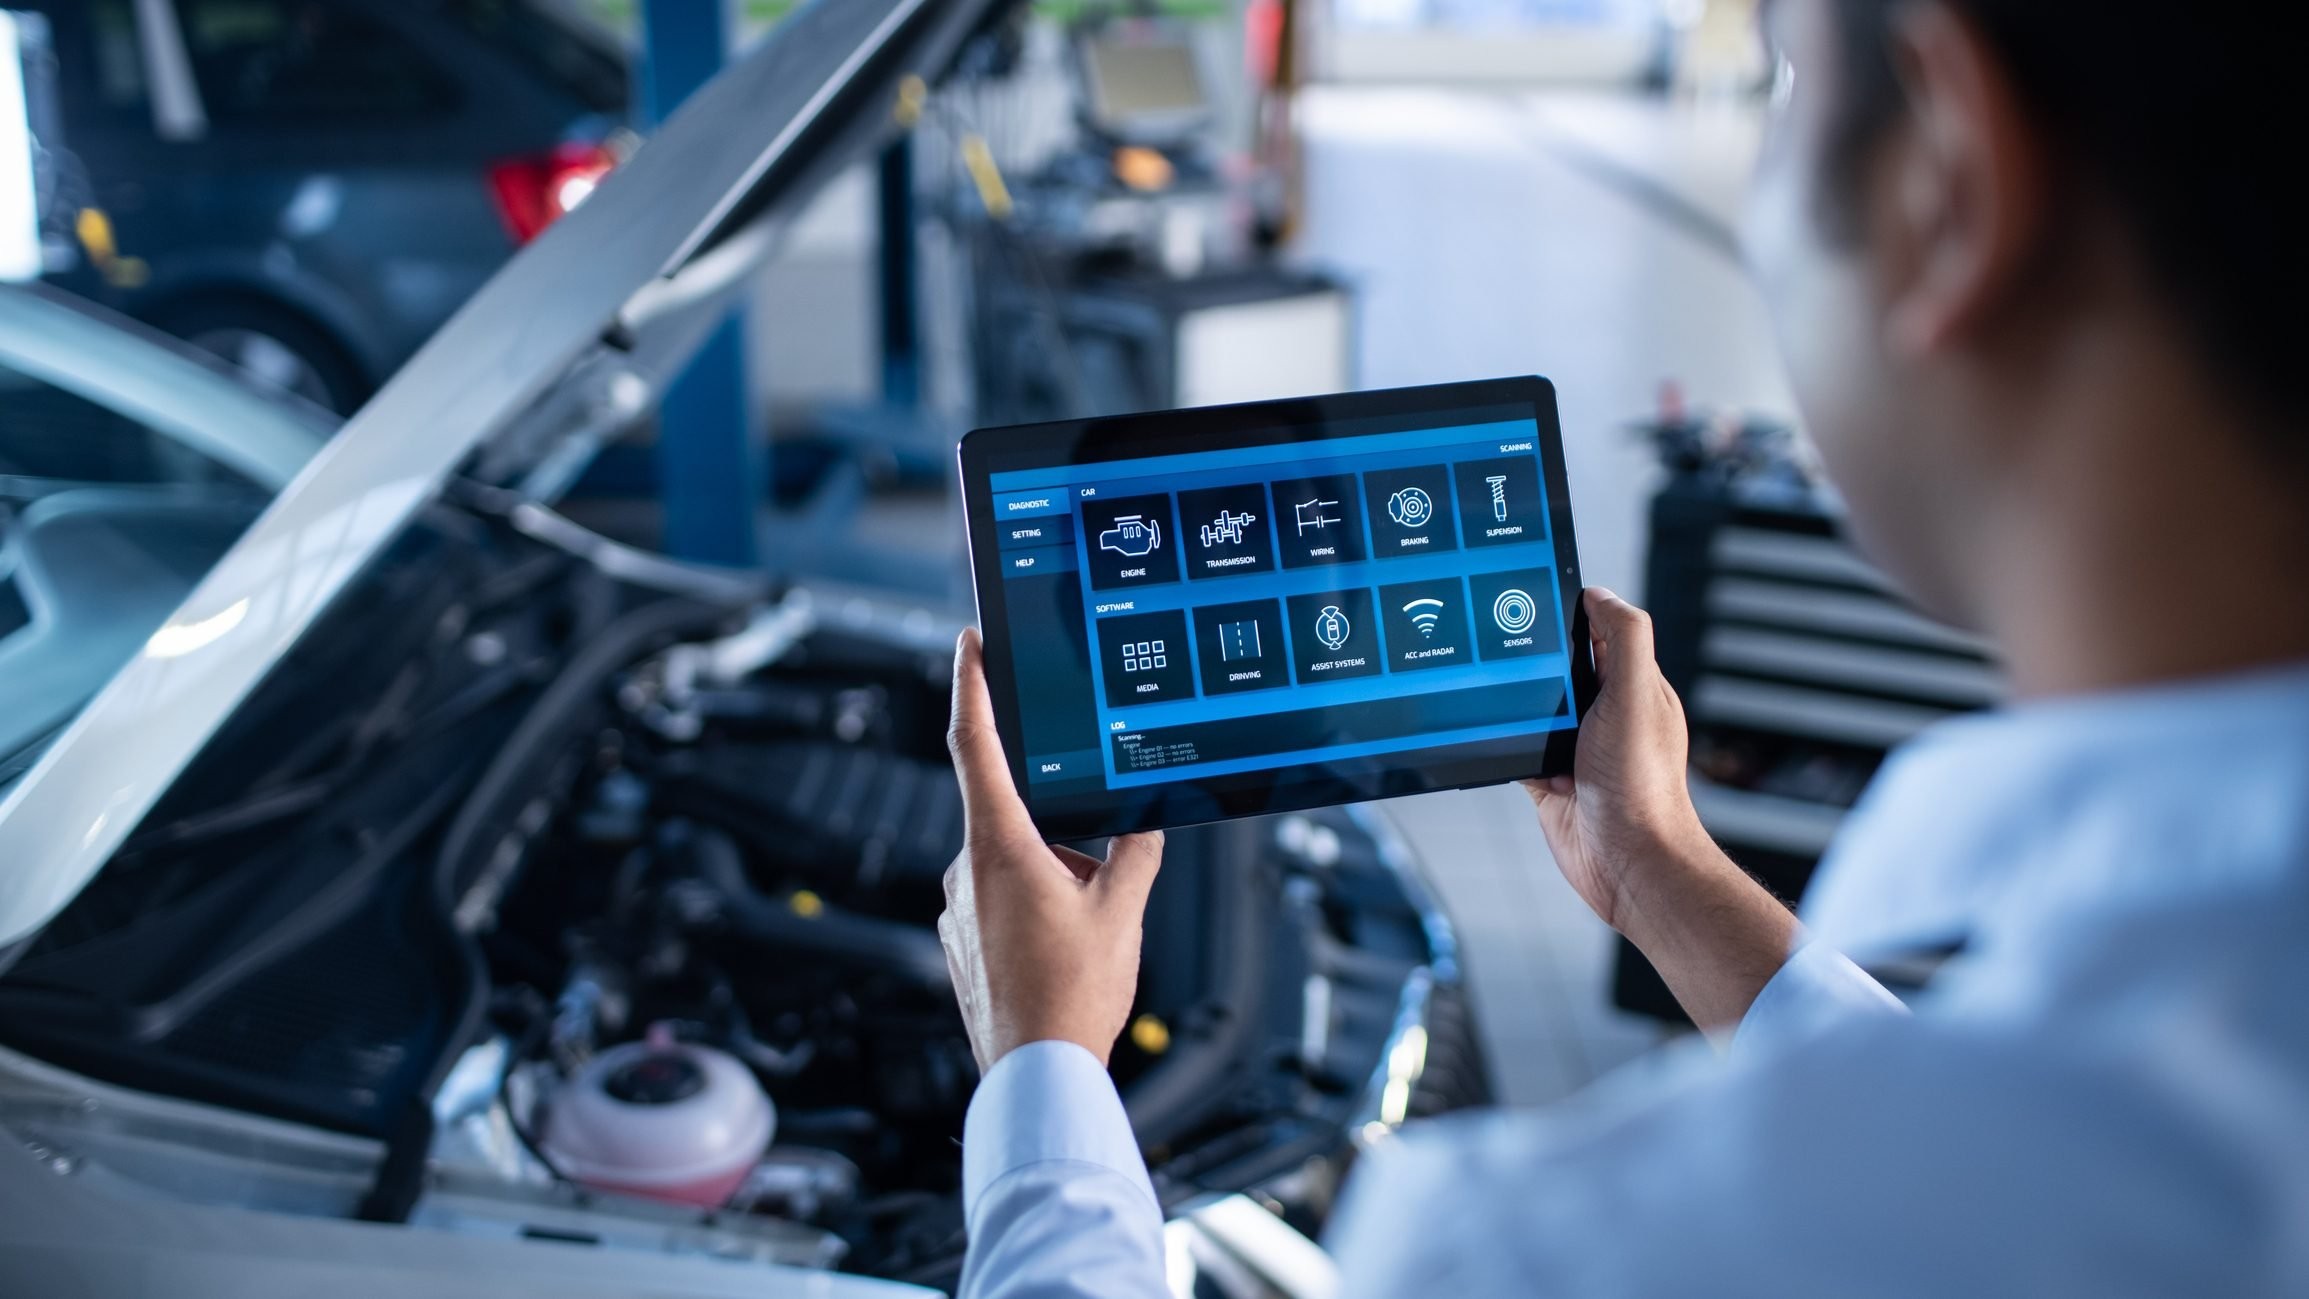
x: 1132, y: 861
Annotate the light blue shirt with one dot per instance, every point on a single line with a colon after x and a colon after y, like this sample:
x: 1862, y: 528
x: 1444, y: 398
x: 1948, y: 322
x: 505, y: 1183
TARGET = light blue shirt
x: 2105, y: 1094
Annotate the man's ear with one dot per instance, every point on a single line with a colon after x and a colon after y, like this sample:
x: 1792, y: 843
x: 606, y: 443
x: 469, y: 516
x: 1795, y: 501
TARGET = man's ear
x: 1969, y: 189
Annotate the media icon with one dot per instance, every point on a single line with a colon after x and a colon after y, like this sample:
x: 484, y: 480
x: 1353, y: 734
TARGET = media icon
x: 1498, y: 485
x: 1316, y: 514
x: 1424, y: 615
x: 1144, y: 656
x: 1514, y: 611
x: 1411, y: 508
x: 1227, y: 529
x: 1332, y: 627
x: 1132, y: 535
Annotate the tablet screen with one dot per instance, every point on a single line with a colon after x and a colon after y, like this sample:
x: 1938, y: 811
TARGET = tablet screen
x: 1193, y: 613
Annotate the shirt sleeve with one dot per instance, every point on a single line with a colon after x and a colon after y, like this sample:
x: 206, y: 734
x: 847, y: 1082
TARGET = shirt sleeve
x: 1816, y: 989
x: 1054, y: 1192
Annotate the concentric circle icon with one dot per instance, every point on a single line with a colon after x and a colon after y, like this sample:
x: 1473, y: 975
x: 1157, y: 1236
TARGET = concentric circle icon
x: 1515, y: 611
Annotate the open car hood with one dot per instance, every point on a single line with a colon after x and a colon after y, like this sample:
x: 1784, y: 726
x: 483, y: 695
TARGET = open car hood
x: 565, y: 346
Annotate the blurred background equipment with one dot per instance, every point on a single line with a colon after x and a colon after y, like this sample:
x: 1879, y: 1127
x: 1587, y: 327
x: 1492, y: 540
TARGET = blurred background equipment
x: 1799, y: 665
x: 308, y: 188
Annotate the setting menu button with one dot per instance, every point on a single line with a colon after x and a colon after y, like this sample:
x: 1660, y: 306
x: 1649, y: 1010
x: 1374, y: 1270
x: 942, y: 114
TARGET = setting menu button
x: 1016, y: 534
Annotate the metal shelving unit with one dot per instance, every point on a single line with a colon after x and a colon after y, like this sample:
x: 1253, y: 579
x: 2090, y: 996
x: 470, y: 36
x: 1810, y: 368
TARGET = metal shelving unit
x: 1799, y: 665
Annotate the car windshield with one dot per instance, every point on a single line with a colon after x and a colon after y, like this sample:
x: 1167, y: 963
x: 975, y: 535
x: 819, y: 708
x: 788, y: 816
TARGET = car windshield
x: 111, y: 509
x: 558, y: 45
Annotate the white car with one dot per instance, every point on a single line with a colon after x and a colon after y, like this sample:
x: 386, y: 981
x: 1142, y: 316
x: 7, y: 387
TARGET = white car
x: 403, y: 890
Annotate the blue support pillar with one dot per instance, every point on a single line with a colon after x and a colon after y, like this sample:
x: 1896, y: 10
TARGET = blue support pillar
x: 901, y: 311
x: 710, y: 467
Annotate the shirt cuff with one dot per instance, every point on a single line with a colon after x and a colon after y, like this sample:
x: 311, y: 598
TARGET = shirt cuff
x: 1047, y: 1102
x: 1814, y: 989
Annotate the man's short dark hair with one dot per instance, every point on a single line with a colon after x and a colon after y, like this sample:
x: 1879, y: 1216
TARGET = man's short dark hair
x: 2188, y: 117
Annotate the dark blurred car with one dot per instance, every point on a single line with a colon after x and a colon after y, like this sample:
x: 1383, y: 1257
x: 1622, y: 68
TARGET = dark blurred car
x: 308, y: 188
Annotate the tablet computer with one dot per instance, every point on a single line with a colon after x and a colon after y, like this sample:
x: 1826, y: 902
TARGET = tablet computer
x: 1192, y: 615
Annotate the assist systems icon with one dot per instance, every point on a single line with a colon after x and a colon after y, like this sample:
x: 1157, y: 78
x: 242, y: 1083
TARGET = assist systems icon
x: 1133, y: 535
x: 1411, y: 508
x: 1332, y: 627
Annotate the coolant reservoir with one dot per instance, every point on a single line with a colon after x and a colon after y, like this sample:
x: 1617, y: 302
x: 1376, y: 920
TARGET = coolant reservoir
x: 663, y: 1119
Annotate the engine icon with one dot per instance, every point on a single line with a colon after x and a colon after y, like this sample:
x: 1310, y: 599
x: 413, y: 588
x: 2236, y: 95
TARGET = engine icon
x: 1133, y: 535
x: 1411, y: 507
x: 1332, y: 627
x: 1227, y: 529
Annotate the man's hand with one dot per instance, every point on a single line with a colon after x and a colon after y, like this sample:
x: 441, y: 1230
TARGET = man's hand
x: 1626, y: 836
x: 1043, y: 942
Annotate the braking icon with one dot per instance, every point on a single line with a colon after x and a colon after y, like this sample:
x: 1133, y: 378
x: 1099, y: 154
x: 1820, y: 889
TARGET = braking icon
x: 1411, y: 508
x: 1133, y: 535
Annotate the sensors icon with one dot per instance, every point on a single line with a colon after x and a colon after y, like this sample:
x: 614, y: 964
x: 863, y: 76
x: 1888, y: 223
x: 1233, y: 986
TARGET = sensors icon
x: 1132, y: 535
x: 1514, y: 611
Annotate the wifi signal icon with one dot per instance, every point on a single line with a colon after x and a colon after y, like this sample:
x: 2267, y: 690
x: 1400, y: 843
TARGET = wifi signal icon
x: 1424, y: 615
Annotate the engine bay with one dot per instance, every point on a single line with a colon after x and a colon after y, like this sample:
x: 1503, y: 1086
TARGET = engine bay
x: 600, y: 906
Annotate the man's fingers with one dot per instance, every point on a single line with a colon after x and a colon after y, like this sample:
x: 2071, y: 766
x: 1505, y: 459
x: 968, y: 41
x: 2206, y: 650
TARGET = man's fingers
x: 1132, y: 861
x: 988, y: 795
x: 1622, y: 634
x: 1084, y: 866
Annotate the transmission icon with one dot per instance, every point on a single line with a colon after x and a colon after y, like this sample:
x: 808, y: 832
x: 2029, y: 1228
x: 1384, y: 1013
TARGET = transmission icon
x: 1332, y: 627
x: 1411, y: 507
x: 1227, y: 529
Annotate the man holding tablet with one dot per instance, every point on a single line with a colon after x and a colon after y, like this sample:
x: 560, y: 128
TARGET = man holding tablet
x: 2043, y: 314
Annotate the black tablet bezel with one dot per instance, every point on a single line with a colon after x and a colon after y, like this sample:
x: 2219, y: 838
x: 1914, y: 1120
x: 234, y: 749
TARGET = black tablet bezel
x: 985, y: 452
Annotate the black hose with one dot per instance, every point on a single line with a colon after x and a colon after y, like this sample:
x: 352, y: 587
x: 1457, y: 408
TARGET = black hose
x: 908, y: 951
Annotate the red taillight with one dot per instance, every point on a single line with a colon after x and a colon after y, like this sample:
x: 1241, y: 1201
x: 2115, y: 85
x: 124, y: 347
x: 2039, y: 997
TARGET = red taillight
x: 533, y: 193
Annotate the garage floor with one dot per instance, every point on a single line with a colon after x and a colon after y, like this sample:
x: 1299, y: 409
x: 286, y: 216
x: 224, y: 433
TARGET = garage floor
x: 1586, y: 238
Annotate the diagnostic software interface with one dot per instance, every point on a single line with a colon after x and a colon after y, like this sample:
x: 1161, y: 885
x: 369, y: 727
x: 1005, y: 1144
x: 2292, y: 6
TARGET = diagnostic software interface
x: 1268, y: 606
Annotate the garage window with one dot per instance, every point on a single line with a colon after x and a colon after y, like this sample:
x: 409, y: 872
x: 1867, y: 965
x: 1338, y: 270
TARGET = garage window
x: 290, y: 61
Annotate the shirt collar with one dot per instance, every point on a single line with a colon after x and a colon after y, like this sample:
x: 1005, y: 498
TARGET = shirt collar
x: 2000, y: 825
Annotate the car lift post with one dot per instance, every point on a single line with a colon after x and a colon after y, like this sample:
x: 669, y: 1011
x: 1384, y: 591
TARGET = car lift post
x: 710, y: 465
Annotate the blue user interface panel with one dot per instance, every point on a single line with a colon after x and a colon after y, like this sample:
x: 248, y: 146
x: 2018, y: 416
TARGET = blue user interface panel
x: 1181, y: 616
